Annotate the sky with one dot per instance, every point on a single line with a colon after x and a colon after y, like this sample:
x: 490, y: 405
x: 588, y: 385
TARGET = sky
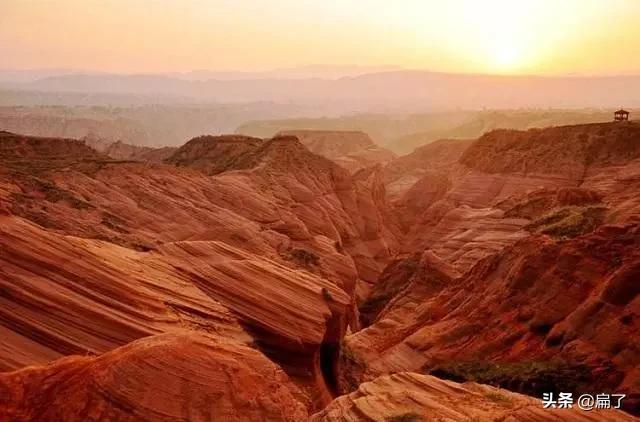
x: 585, y: 37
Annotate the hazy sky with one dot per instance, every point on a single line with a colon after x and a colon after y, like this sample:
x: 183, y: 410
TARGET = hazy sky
x: 496, y: 36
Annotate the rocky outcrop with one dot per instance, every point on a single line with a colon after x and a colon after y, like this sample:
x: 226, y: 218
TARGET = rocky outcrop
x: 421, y: 274
x: 564, y: 151
x: 435, y: 158
x: 312, y: 200
x: 269, y: 252
x: 17, y: 149
x: 541, y: 308
x: 509, y: 274
x: 100, y: 296
x: 214, y: 154
x: 465, y: 223
x: 170, y: 377
x: 120, y: 151
x: 260, y: 251
x: 350, y: 149
x: 276, y: 199
x: 74, y: 122
x: 618, y: 185
x: 463, y: 213
x: 97, y: 296
x: 407, y: 396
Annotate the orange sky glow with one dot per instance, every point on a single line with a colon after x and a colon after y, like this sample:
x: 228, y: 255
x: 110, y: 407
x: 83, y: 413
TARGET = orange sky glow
x: 490, y: 36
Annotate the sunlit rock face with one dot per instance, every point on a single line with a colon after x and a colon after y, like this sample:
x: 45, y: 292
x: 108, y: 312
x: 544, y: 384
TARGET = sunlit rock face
x: 524, y: 263
x: 461, y: 210
x: 539, y: 301
x: 350, y: 149
x: 262, y: 242
x: 254, y: 268
x: 167, y: 377
x: 407, y: 396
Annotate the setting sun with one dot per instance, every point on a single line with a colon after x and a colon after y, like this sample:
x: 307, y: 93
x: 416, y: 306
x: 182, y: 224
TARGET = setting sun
x: 499, y: 31
x: 324, y: 211
x: 464, y: 36
x: 507, y: 57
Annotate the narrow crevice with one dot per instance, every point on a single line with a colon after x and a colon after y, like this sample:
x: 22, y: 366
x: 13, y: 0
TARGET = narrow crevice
x: 329, y: 366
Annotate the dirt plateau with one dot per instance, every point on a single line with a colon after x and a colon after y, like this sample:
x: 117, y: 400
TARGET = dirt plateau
x: 316, y: 276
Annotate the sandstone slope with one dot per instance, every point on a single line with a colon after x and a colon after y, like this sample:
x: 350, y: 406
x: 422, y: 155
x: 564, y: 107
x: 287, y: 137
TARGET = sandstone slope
x: 268, y: 252
x: 405, y: 171
x: 460, y: 215
x: 170, y: 377
x: 121, y: 151
x: 352, y: 150
x: 412, y: 397
x: 511, y: 261
x: 521, y: 271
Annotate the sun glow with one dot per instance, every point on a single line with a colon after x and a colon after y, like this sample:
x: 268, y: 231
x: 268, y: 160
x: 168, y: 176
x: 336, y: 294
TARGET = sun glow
x: 503, y: 32
x: 507, y: 56
x: 483, y: 36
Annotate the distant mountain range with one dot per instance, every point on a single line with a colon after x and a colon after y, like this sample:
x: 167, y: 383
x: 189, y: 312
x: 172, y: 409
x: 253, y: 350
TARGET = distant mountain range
x: 300, y: 72
x: 385, y: 90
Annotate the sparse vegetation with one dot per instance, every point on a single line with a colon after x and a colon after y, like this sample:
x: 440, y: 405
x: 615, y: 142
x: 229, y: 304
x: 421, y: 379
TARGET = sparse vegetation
x: 348, y: 354
x: 142, y: 247
x: 51, y: 192
x: 532, y: 378
x: 529, y: 208
x: 114, y: 223
x: 569, y: 222
x: 387, y: 288
x: 376, y: 302
x: 303, y: 257
x: 408, y: 265
x: 498, y: 398
x: 54, y: 194
x: 405, y: 417
x: 352, y: 367
x: 326, y: 294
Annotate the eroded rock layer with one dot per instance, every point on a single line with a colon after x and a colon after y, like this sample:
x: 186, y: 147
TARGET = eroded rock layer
x: 266, y: 249
x: 511, y: 260
x: 350, y: 149
x: 517, y: 273
x: 168, y: 377
x: 544, y: 313
x: 459, y: 213
x: 409, y: 396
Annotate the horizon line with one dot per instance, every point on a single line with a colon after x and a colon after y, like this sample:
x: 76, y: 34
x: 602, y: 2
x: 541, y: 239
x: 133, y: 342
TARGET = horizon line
x: 373, y: 70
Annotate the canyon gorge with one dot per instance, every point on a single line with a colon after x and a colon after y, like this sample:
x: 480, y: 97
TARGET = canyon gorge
x: 316, y: 275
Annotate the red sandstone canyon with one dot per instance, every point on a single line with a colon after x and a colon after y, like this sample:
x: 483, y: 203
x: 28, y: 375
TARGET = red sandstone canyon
x: 319, y: 211
x: 317, y: 276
